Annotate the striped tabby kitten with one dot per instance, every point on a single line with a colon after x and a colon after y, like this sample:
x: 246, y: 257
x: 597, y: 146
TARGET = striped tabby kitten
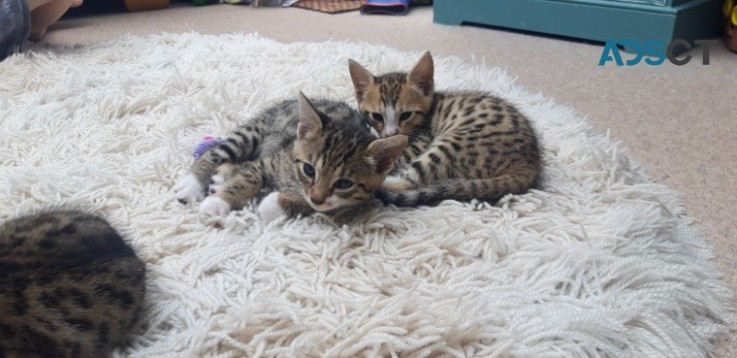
x: 463, y: 145
x: 318, y: 157
x: 69, y: 286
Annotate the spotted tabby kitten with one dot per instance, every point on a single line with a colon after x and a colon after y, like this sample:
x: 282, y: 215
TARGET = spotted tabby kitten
x: 318, y: 157
x: 463, y: 145
x: 69, y: 286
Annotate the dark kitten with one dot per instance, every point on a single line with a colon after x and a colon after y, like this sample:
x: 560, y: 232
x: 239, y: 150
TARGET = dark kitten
x: 315, y: 157
x: 69, y: 286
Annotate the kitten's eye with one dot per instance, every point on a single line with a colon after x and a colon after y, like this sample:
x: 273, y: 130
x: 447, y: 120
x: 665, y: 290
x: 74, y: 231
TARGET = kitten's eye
x: 405, y: 116
x: 343, y: 184
x: 377, y: 117
x: 308, y: 170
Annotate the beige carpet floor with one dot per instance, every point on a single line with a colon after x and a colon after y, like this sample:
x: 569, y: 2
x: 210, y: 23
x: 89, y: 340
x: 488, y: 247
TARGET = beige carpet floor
x: 679, y: 122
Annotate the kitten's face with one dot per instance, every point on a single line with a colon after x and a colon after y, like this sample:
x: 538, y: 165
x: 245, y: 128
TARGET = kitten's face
x: 339, y: 163
x: 332, y: 177
x: 394, y: 103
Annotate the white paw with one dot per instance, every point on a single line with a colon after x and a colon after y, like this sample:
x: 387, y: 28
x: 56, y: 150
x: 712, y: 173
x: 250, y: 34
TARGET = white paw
x: 214, y: 206
x: 269, y: 209
x: 397, y: 184
x: 216, y: 184
x: 188, y: 189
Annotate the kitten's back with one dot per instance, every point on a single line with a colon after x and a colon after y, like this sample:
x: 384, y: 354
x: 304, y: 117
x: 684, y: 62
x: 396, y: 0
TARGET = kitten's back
x: 71, y: 286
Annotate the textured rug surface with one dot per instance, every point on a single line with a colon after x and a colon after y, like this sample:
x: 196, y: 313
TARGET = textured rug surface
x: 600, y: 262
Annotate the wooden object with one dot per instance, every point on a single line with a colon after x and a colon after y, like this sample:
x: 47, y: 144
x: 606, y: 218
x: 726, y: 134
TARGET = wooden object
x: 141, y: 5
x: 597, y: 20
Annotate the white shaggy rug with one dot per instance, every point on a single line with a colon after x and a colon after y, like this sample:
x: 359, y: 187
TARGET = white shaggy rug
x: 600, y: 262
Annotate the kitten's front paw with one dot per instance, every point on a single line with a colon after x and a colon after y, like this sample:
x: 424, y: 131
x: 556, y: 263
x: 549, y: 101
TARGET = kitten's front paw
x: 216, y: 184
x: 269, y: 208
x: 188, y: 189
x: 214, y: 206
x: 393, y: 183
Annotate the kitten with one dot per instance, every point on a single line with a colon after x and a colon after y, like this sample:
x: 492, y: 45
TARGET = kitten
x: 69, y: 286
x: 463, y: 145
x: 317, y: 157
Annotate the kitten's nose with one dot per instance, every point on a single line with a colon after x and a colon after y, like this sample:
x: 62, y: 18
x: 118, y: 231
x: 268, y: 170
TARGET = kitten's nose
x: 390, y: 131
x: 318, y: 195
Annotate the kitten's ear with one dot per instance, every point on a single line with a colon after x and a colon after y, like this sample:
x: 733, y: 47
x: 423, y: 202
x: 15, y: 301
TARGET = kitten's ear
x: 361, y: 77
x: 422, y: 74
x: 382, y: 153
x: 310, y: 121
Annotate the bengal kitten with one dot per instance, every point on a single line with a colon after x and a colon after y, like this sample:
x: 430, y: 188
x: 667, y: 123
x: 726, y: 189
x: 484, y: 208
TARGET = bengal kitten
x: 462, y: 146
x: 317, y: 157
x: 69, y: 286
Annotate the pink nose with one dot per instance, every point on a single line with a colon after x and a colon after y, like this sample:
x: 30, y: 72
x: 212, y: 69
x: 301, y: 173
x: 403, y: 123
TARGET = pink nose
x: 388, y: 132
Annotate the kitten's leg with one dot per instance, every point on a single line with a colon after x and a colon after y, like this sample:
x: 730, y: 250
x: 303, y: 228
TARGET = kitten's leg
x: 242, y: 145
x: 269, y: 209
x: 278, y: 204
x: 397, y: 183
x: 403, y: 177
x: 436, y: 164
x: 232, y: 187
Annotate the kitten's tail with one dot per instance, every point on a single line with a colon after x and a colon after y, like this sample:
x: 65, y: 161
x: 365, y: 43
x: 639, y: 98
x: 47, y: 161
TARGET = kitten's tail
x: 491, y: 190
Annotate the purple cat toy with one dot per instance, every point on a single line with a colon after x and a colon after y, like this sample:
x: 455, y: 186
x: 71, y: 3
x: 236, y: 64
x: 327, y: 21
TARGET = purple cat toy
x: 206, y: 144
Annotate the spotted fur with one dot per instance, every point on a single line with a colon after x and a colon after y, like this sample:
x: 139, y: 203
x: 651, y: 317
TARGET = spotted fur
x: 463, y: 145
x: 319, y: 157
x: 69, y: 286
